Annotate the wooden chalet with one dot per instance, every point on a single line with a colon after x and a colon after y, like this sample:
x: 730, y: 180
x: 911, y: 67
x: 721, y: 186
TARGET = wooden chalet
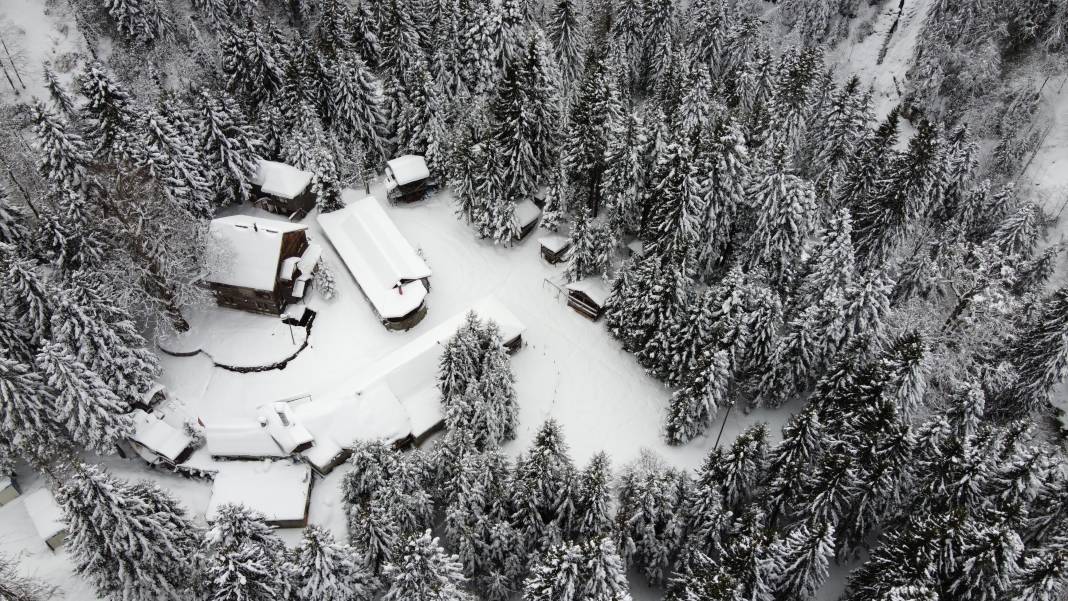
x: 526, y: 215
x: 249, y: 255
x: 406, y: 178
x: 554, y: 248
x: 282, y: 189
x: 588, y: 297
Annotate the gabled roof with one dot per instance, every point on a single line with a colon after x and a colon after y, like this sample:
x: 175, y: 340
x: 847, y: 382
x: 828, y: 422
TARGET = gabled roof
x: 245, y: 250
x: 407, y: 169
x: 158, y: 436
x: 593, y: 287
x: 281, y: 180
x: 45, y: 513
x: 526, y: 212
x: 244, y: 439
x: 378, y: 256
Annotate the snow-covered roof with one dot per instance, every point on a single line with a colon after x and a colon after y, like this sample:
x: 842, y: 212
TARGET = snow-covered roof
x: 310, y: 258
x: 5, y: 483
x: 252, y: 246
x: 378, y: 256
x: 245, y: 439
x: 636, y: 247
x: 158, y: 436
x: 288, y: 268
x: 554, y: 242
x: 281, y: 180
x: 45, y: 513
x: 284, y: 427
x: 593, y: 287
x: 277, y: 489
x: 405, y: 170
x: 372, y: 414
x: 424, y: 409
x: 526, y: 212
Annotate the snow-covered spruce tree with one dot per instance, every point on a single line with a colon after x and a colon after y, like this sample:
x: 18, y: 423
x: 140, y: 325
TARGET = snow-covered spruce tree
x: 130, y: 540
x: 677, y: 210
x: 664, y: 303
x: 606, y: 575
x: 324, y: 570
x: 741, y: 467
x: 89, y: 410
x: 598, y: 103
x: 357, y: 112
x: 622, y: 184
x: 591, y: 248
x: 251, y: 62
x: 786, y: 209
x: 229, y: 143
x: 141, y: 20
x: 374, y: 532
x: 173, y: 160
x: 310, y: 148
x: 831, y: 264
x: 481, y: 46
x: 14, y: 225
x: 62, y: 100
x: 650, y: 499
x: 114, y: 351
x: 557, y: 576
x: 27, y: 424
x: 65, y: 156
x: 790, y: 461
x: 1040, y: 355
x: 593, y: 500
x: 694, y: 406
x: 461, y: 359
x: 544, y: 484
x: 747, y: 555
x: 566, y: 31
x: 868, y: 165
x: 801, y: 560
x: 1043, y: 576
x: 424, y: 572
x: 497, y: 384
x: 16, y: 587
x: 246, y: 559
x: 704, y: 516
x: 29, y: 294
x: 802, y: 353
x: 109, y: 111
x: 705, y: 580
x: 325, y: 280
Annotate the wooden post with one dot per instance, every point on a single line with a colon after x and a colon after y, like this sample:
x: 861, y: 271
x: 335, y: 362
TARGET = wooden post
x: 723, y: 425
x: 14, y: 67
x: 8, y: 76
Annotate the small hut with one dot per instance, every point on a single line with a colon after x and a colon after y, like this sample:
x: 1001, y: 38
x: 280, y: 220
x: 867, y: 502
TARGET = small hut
x: 158, y: 442
x: 9, y: 490
x: 47, y: 517
x: 406, y: 178
x: 282, y: 189
x: 251, y: 257
x: 588, y: 297
x: 554, y: 248
x: 526, y: 215
x: 635, y: 248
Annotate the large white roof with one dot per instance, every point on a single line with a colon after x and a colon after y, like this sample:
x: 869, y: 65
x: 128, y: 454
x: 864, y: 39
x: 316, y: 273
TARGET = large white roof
x: 243, y: 439
x: 378, y: 256
x: 526, y: 212
x: 407, y: 169
x: 159, y: 436
x: 45, y: 513
x: 245, y: 250
x: 277, y: 489
x: 281, y: 180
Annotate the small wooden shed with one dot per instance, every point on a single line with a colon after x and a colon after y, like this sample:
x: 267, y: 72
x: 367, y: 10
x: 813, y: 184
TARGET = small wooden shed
x: 406, y: 178
x: 588, y: 297
x: 526, y: 215
x: 158, y: 442
x: 47, y: 517
x: 9, y: 490
x: 554, y: 248
x: 248, y: 255
x: 282, y: 189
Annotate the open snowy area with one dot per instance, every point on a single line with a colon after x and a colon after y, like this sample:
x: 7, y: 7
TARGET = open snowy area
x: 533, y: 300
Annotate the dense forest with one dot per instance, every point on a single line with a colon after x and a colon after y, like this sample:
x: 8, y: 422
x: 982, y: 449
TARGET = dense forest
x: 881, y: 276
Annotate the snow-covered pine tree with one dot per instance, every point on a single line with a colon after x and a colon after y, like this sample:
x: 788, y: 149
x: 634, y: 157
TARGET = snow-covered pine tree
x: 723, y: 151
x: 659, y: 26
x: 801, y: 561
x: 29, y: 294
x: 247, y: 560
x: 566, y: 31
x: 130, y: 540
x: 324, y: 570
x: 17, y: 587
x: 791, y: 460
x: 622, y: 184
x: 742, y: 466
x: 747, y: 556
x: 869, y: 164
x: 61, y: 98
x: 605, y: 577
x: 1043, y: 576
x: 694, y: 406
x: 593, y: 500
x: 65, y: 156
x: 650, y: 499
x: 496, y: 384
x: 481, y: 47
x: 802, y: 353
x: 677, y: 211
x: 325, y: 280
x: 109, y: 111
x: 598, y: 103
x: 591, y: 248
x: 14, y: 227
x: 27, y: 424
x: 705, y: 517
x: 174, y: 161
x: 1040, y: 354
x: 786, y: 211
x: 544, y: 494
x: 252, y: 62
x: 90, y: 411
x: 229, y: 143
x: 141, y: 20
x: 357, y: 112
x: 660, y: 305
x: 557, y: 576
x: 423, y: 571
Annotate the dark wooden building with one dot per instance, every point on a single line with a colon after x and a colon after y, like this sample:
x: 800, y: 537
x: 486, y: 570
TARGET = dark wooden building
x: 406, y: 178
x: 283, y: 189
x: 554, y: 248
x: 588, y: 297
x: 247, y: 255
x: 526, y: 215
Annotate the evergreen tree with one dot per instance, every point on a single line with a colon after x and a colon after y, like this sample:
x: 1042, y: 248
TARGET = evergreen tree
x: 593, y: 499
x: 141, y: 20
x: 544, y: 493
x: 1043, y: 576
x: 94, y: 416
x: 174, y: 161
x: 557, y: 576
x: 801, y: 561
x: 785, y: 217
x: 606, y: 576
x: 694, y: 407
x: 28, y: 294
x: 622, y: 184
x: 832, y: 264
x: 1040, y: 355
x: 326, y: 571
x: 246, y: 561
x: 110, y: 113
x: 423, y: 572
x: 230, y: 145
x: 591, y: 248
x: 27, y: 425
x: 65, y: 156
x: 132, y: 541
x: 61, y: 98
x: 358, y: 108
x: 566, y: 31
x: 14, y: 229
x: 650, y: 497
x: 597, y: 104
